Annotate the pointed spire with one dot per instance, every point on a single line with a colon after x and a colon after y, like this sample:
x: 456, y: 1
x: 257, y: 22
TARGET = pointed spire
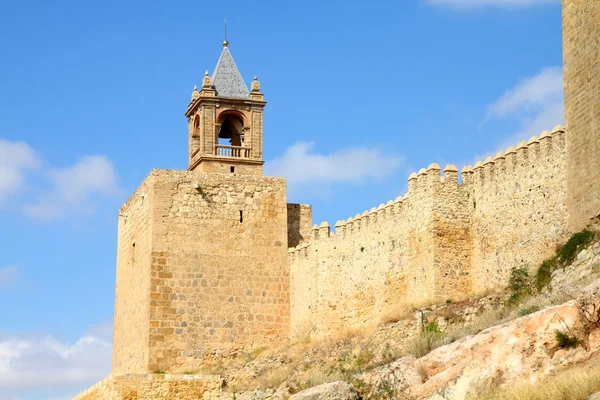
x: 226, y: 78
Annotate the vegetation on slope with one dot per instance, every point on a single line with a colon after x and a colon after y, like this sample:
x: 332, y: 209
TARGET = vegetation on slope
x: 564, y: 257
x: 573, y: 384
x: 308, y: 363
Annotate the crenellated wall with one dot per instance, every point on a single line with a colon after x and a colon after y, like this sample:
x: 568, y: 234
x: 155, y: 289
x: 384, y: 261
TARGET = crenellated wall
x: 519, y: 202
x: 442, y: 240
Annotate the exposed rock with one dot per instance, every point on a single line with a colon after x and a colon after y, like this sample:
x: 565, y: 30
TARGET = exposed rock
x: 522, y: 349
x: 328, y: 391
x: 585, y: 268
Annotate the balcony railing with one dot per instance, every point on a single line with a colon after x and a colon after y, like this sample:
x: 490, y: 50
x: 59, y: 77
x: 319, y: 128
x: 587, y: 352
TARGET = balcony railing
x: 232, y: 151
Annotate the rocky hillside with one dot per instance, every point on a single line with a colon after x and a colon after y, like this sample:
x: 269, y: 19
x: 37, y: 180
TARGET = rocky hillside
x: 542, y: 330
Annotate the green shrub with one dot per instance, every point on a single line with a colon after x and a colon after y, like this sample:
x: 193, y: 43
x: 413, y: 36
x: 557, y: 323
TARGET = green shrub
x: 519, y: 285
x: 574, y: 245
x: 566, y: 341
x: 544, y: 273
x: 433, y: 328
x: 528, y: 310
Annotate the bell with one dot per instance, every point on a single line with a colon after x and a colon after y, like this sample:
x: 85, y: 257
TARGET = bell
x: 226, y: 131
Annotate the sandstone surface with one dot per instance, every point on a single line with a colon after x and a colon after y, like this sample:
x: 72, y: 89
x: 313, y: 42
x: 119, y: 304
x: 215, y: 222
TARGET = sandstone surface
x: 524, y: 349
x: 328, y: 391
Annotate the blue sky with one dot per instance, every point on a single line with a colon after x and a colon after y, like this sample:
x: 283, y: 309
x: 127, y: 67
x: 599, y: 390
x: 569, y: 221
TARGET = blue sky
x: 360, y: 94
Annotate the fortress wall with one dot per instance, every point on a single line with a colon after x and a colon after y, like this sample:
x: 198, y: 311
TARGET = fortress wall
x: 453, y: 239
x: 154, y: 386
x: 443, y: 240
x: 100, y: 391
x: 299, y: 223
x: 518, y: 203
x: 132, y: 293
x: 373, y: 263
x: 218, y: 284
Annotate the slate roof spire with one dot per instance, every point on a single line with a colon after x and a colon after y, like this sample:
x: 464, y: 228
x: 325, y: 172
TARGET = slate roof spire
x: 227, y: 80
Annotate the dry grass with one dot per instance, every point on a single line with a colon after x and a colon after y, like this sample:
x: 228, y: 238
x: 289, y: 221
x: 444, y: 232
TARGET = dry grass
x: 574, y: 384
x: 422, y: 344
x: 314, y: 377
x: 481, y: 322
x: 275, y: 377
x: 400, y: 313
x: 359, y: 333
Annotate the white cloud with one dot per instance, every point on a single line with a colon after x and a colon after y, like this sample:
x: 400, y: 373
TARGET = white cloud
x: 471, y: 4
x: 536, y: 103
x: 351, y: 165
x: 15, y: 159
x: 44, y: 363
x: 545, y: 119
x: 530, y: 94
x: 74, y: 188
x: 8, y: 275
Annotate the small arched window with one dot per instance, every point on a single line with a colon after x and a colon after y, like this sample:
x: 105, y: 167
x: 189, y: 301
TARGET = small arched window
x: 196, y: 131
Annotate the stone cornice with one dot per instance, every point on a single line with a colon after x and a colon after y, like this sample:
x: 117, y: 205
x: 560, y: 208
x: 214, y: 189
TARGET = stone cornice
x: 221, y: 100
x: 232, y: 160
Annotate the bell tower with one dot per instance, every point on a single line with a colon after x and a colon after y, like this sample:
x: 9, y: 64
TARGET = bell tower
x: 225, y: 122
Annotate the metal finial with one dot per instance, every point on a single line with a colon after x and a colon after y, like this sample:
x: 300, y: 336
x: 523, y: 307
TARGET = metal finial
x: 225, y: 42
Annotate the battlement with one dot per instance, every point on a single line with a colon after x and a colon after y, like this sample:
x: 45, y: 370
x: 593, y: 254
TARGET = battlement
x: 504, y: 164
x: 536, y: 152
x: 439, y: 240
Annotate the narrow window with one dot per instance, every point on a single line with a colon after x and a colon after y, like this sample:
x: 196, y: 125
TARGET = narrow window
x: 231, y: 169
x: 133, y: 255
x: 241, y: 216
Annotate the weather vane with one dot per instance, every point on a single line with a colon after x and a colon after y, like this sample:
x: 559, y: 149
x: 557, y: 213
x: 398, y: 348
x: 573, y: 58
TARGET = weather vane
x: 225, y: 42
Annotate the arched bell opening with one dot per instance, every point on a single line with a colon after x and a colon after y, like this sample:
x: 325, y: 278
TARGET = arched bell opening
x: 231, y: 130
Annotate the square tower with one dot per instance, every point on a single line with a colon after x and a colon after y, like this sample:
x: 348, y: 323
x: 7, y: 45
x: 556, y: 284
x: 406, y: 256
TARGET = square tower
x: 202, y: 268
x: 225, y: 122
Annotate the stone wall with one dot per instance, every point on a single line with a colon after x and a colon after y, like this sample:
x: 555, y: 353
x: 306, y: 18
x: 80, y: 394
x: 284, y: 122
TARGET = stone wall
x: 443, y: 240
x: 154, y: 387
x: 376, y: 260
x: 519, y: 208
x: 299, y: 223
x: 224, y: 166
x: 132, y: 292
x: 581, y: 61
x: 102, y: 390
x: 214, y: 277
